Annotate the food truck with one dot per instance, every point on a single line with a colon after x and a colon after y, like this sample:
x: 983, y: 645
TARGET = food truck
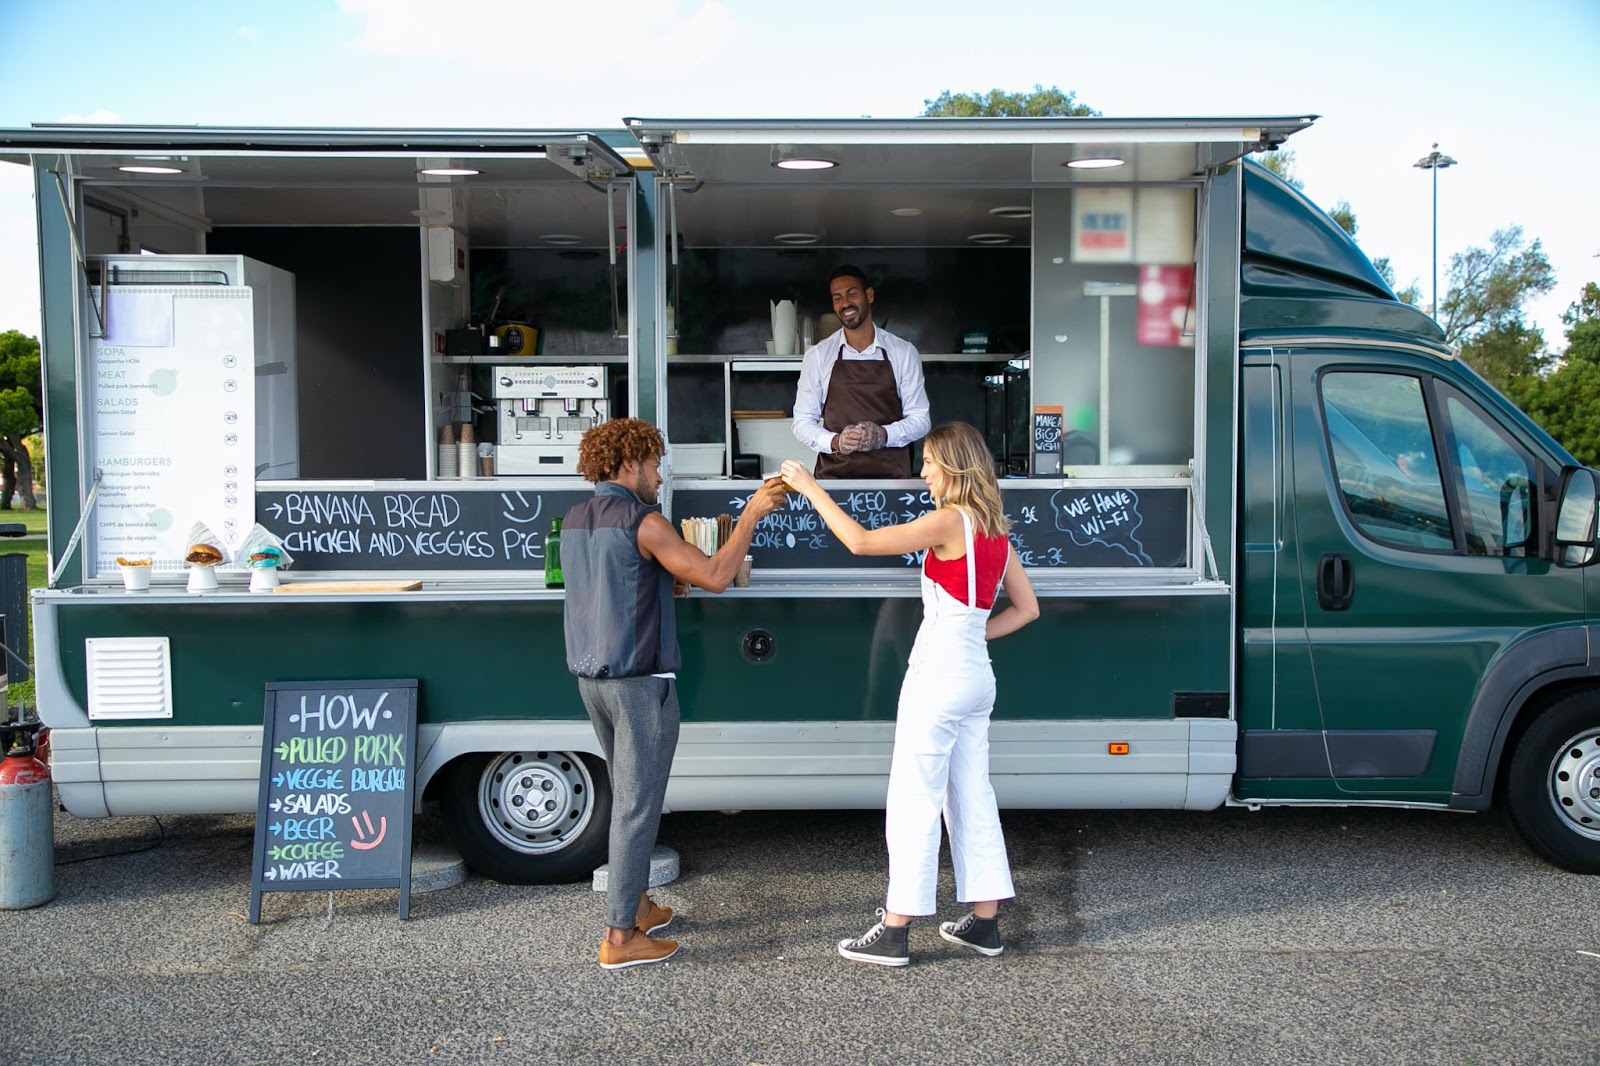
x: 1288, y: 548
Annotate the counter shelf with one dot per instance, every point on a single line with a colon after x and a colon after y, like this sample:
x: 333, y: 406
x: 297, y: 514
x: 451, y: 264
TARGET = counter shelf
x: 780, y: 584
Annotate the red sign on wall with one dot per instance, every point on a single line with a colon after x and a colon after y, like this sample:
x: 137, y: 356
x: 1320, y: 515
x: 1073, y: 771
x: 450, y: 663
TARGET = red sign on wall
x: 1166, y: 311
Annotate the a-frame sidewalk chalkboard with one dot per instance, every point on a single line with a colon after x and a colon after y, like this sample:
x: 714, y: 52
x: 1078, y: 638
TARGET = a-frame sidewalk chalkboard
x: 337, y: 788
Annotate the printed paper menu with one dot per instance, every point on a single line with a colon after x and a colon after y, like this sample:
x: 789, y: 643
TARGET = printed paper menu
x: 172, y: 422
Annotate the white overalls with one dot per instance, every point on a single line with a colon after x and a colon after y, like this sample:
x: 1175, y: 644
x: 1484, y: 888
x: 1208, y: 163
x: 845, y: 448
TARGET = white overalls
x: 941, y: 757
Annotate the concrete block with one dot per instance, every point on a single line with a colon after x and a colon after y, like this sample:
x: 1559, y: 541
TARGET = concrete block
x: 435, y: 867
x: 663, y: 869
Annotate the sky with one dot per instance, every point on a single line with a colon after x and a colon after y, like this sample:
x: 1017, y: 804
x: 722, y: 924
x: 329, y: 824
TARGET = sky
x: 1507, y: 90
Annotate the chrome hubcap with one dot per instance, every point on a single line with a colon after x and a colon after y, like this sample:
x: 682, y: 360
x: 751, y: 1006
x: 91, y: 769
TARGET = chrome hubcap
x: 534, y: 802
x: 1575, y: 783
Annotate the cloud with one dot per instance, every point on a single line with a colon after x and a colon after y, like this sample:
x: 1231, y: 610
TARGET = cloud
x: 538, y: 39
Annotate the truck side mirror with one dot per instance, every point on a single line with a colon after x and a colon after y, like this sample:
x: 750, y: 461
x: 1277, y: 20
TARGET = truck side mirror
x: 1575, y: 518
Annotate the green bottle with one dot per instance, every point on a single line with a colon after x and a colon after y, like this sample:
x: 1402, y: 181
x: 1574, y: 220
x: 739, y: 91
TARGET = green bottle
x: 552, y: 556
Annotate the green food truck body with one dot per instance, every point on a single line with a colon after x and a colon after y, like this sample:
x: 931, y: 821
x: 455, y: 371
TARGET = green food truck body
x: 1288, y: 549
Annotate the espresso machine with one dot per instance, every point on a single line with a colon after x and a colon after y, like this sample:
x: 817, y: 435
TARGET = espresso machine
x: 542, y: 412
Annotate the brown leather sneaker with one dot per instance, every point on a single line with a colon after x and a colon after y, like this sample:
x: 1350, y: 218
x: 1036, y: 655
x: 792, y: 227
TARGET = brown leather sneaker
x: 640, y: 950
x: 657, y: 919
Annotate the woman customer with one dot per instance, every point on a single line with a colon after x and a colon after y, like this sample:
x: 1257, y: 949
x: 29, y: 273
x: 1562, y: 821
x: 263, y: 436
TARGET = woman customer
x: 941, y: 741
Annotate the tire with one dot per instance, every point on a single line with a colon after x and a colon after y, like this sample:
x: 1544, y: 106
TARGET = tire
x: 528, y: 817
x: 1553, y: 783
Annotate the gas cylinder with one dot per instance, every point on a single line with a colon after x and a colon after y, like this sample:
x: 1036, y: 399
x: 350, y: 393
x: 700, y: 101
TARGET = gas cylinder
x: 27, y: 831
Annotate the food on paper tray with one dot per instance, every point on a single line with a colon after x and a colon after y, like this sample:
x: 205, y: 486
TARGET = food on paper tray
x: 266, y: 556
x: 203, y: 555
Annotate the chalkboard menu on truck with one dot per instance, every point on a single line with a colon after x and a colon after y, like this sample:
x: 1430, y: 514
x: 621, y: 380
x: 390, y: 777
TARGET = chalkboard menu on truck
x: 1047, y: 428
x: 1054, y: 526
x: 415, y: 529
x: 337, y: 761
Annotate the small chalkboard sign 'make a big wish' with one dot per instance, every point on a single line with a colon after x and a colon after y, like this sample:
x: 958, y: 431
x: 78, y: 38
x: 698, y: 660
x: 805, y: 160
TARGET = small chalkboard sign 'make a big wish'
x: 1048, y: 429
x: 337, y: 786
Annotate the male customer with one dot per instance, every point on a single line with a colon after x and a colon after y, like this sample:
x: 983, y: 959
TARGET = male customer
x: 623, y: 562
x: 861, y: 402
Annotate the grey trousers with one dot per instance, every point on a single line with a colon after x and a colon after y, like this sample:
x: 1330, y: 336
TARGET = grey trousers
x: 636, y: 719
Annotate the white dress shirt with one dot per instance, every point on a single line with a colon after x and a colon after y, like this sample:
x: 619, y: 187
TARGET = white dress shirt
x: 817, y: 368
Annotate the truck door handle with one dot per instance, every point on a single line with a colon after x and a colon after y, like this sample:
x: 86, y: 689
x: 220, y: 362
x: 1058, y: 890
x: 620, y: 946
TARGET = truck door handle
x: 1336, y: 583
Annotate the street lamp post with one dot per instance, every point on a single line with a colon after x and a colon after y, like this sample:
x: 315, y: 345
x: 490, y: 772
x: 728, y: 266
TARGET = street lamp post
x: 1435, y: 161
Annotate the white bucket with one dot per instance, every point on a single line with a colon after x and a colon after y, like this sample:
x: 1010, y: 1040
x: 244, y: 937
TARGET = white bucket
x: 202, y: 578
x: 136, y: 578
x: 263, y: 578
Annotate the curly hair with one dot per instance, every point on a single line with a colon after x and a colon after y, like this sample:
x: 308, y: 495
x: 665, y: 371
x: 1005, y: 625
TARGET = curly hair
x: 604, y: 449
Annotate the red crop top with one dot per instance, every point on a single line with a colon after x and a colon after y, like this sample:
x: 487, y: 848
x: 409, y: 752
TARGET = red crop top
x: 951, y: 574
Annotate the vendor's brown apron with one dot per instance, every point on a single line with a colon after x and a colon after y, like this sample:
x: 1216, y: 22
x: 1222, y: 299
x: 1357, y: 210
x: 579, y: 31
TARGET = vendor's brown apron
x: 862, y: 390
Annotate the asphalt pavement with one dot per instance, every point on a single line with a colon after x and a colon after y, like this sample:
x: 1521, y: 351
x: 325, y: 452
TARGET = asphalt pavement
x: 1292, y: 936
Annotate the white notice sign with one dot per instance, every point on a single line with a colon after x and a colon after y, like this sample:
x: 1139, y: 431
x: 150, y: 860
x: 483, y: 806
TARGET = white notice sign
x: 172, y: 424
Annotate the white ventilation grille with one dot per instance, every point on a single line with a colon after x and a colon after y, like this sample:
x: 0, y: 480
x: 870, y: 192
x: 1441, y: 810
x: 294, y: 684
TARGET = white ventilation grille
x: 129, y: 677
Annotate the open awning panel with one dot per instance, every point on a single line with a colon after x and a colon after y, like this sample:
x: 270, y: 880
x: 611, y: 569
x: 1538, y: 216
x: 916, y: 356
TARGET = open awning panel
x: 974, y: 153
x: 504, y: 181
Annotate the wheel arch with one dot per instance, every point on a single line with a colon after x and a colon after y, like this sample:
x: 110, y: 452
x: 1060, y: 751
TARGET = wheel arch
x: 440, y: 745
x: 1528, y: 675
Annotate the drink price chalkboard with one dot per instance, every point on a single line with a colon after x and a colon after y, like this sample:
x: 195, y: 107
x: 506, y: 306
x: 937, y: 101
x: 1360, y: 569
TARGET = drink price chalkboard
x: 337, y: 784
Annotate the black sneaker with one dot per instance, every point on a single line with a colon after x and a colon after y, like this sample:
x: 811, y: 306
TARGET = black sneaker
x: 980, y: 934
x: 882, y: 945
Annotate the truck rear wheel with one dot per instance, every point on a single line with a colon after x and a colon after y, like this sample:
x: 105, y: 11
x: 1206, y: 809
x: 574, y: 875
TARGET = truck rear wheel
x: 1553, y: 788
x: 528, y: 817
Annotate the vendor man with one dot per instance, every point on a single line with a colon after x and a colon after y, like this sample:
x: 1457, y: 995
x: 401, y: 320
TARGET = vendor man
x: 861, y: 402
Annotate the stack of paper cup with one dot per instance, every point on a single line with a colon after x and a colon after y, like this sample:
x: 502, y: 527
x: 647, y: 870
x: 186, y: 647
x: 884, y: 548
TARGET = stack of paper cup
x: 467, y: 451
x: 447, y: 451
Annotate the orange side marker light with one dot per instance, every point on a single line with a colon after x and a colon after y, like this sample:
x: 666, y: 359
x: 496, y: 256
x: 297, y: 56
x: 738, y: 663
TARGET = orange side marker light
x: 1117, y: 747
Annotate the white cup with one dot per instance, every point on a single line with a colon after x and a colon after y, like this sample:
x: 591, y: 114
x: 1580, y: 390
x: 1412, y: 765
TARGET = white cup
x: 202, y: 578
x: 136, y: 578
x: 263, y: 578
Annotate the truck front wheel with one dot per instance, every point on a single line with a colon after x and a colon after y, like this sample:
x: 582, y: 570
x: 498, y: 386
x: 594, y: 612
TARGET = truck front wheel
x: 528, y: 817
x: 1553, y: 786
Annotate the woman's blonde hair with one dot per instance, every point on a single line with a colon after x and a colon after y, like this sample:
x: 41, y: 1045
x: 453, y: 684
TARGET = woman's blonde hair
x: 962, y: 455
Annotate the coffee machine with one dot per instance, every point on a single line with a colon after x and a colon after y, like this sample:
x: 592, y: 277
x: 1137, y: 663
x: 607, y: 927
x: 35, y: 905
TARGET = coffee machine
x: 542, y: 412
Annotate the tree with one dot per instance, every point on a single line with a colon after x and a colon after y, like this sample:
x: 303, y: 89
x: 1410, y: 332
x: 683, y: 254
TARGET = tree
x: 1041, y: 103
x: 1566, y: 401
x: 1281, y: 162
x: 1506, y: 352
x: 1411, y: 294
x: 21, y: 399
x: 1345, y: 216
x: 1488, y: 286
x: 1583, y: 327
